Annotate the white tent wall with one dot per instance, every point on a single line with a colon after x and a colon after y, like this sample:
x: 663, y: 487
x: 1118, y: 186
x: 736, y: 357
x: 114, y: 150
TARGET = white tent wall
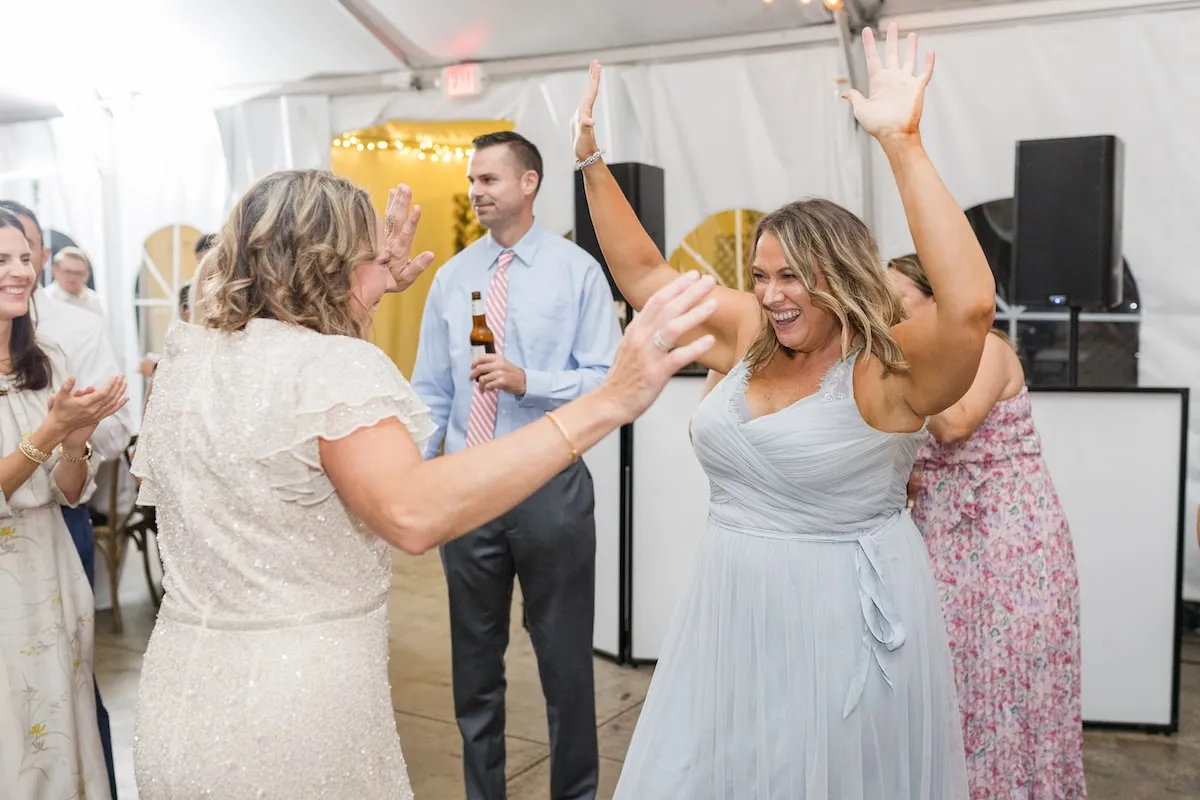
x: 111, y: 180
x: 265, y: 135
x: 48, y: 167
x: 539, y: 108
x: 1130, y: 75
x: 744, y: 131
x: 54, y: 167
x: 171, y: 170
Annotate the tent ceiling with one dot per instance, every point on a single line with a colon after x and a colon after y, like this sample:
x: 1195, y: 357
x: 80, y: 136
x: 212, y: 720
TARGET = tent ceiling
x: 181, y: 48
x: 226, y: 50
x: 464, y: 30
x: 18, y: 106
x: 450, y: 31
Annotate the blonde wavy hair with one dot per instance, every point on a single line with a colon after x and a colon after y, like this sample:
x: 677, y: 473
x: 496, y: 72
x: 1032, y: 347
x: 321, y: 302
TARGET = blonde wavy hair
x: 817, y: 235
x: 287, y: 252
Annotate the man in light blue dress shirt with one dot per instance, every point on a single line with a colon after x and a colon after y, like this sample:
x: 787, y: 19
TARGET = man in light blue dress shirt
x: 559, y: 337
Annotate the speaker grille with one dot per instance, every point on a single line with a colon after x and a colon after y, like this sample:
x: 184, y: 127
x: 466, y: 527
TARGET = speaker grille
x: 1067, y: 243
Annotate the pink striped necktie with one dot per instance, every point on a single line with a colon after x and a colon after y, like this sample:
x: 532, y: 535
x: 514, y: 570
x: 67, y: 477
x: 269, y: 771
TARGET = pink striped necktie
x: 481, y: 424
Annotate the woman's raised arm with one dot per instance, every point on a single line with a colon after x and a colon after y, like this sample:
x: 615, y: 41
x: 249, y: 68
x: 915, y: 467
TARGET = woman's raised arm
x: 943, y: 347
x: 417, y: 505
x: 632, y: 257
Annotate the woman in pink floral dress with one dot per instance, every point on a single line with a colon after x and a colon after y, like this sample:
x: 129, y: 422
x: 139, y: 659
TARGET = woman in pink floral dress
x: 1001, y: 550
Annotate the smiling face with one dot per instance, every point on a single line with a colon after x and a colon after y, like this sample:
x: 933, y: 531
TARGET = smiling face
x: 16, y: 273
x: 71, y: 273
x: 799, y: 324
x: 501, y: 189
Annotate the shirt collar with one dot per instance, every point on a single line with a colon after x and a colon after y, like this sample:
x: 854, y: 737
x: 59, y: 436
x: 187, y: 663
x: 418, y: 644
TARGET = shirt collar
x: 524, y: 250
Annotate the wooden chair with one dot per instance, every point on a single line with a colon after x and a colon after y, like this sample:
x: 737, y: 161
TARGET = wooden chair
x: 117, y: 529
x: 141, y: 526
x: 110, y: 541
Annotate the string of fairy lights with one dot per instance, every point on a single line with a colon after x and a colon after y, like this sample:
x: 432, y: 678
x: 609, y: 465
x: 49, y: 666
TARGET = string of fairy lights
x: 421, y: 148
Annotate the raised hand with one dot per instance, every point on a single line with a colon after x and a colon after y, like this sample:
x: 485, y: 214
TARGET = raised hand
x: 897, y: 92
x: 583, y: 124
x: 647, y: 357
x: 400, y: 228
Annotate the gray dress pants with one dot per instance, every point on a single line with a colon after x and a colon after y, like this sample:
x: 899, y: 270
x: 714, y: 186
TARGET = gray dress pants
x: 548, y: 542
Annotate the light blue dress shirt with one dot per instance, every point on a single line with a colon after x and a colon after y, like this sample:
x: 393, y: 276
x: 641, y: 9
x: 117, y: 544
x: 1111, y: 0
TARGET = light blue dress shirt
x: 560, y: 327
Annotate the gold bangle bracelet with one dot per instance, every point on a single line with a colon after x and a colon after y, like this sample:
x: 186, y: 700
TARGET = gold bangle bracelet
x: 566, y: 436
x: 83, y: 459
x: 32, y: 453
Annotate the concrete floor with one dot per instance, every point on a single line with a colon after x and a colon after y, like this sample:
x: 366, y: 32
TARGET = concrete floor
x: 1120, y: 766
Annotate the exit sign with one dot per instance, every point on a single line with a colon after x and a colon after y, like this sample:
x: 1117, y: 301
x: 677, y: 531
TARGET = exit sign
x: 462, y: 80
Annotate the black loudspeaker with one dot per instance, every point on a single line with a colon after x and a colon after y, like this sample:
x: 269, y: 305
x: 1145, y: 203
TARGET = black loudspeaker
x: 1067, y: 214
x: 644, y: 189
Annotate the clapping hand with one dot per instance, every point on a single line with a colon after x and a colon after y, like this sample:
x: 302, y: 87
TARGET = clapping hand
x: 400, y: 227
x: 583, y: 124
x: 897, y: 92
x: 76, y: 413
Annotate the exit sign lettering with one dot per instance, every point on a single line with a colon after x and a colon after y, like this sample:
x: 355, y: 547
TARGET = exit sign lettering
x: 462, y: 80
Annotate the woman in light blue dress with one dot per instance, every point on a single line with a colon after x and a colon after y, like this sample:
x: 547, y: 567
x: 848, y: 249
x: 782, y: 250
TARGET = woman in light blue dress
x: 808, y: 657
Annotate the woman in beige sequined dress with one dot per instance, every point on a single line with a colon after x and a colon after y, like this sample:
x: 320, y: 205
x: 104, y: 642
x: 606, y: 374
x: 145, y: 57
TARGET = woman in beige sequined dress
x: 282, y: 452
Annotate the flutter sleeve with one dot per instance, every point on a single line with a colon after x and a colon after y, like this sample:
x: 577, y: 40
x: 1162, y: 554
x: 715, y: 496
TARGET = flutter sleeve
x: 347, y: 385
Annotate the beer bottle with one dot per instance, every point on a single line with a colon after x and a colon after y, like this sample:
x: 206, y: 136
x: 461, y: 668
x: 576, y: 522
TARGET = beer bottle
x: 482, y: 340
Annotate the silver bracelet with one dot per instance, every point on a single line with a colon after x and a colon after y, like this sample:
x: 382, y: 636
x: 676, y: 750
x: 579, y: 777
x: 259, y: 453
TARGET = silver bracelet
x: 592, y: 159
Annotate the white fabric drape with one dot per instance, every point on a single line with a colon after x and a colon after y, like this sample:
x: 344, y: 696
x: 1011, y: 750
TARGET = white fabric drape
x: 1126, y: 75
x: 109, y: 180
x: 748, y: 131
x: 55, y: 168
x: 540, y: 109
x: 44, y: 166
x: 263, y: 136
x: 29, y: 168
x: 171, y: 170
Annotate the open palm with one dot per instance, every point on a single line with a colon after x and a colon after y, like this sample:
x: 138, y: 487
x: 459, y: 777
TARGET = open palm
x: 897, y: 91
x: 400, y: 220
x: 583, y: 124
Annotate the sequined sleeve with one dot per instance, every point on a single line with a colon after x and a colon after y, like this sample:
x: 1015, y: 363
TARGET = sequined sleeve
x: 348, y: 385
x: 141, y: 470
x: 148, y: 439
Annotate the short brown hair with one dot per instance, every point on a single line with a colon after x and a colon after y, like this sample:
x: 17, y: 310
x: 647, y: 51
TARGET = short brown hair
x: 525, y: 151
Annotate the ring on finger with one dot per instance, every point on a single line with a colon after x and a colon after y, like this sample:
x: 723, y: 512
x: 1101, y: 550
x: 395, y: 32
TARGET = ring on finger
x: 660, y: 343
x: 388, y: 222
